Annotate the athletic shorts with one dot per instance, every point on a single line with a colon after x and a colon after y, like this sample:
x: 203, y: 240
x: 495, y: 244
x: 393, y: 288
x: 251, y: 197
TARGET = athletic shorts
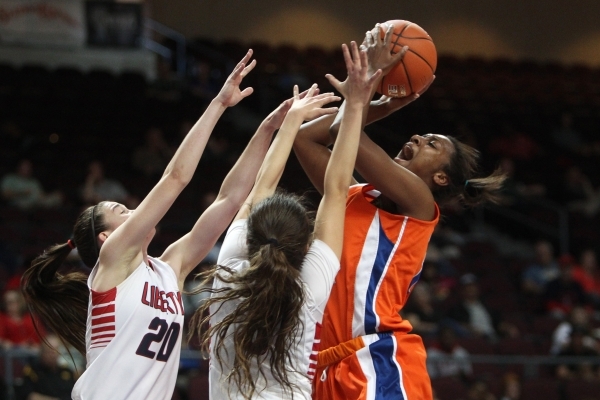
x: 381, y: 366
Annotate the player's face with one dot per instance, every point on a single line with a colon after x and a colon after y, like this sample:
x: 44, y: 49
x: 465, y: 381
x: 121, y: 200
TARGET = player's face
x: 425, y: 155
x: 115, y: 214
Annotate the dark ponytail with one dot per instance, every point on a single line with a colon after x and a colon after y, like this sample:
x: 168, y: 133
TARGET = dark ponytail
x: 268, y: 293
x: 61, y: 301
x: 464, y: 183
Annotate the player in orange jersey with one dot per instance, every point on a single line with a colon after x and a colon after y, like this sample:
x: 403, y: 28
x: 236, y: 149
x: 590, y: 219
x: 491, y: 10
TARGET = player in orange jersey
x: 367, y: 351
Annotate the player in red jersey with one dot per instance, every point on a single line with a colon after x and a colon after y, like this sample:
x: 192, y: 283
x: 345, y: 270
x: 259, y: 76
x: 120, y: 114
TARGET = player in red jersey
x: 127, y: 316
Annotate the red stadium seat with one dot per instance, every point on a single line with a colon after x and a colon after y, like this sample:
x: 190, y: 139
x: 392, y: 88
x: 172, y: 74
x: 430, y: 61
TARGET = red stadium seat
x: 580, y: 389
x: 477, y: 345
x: 448, y: 388
x: 516, y: 346
x: 543, y: 388
x: 198, y: 387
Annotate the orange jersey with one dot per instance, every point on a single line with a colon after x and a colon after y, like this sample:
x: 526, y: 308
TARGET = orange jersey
x: 381, y: 262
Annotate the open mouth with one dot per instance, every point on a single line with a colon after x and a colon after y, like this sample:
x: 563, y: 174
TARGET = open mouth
x: 406, y: 153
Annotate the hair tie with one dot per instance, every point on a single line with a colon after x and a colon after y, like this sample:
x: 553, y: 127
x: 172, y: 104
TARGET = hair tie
x: 71, y: 244
x: 273, y: 241
x: 466, y: 183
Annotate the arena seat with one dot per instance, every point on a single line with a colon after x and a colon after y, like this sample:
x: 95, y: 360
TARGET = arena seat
x: 198, y: 387
x: 580, y: 389
x: 542, y: 388
x: 448, y: 388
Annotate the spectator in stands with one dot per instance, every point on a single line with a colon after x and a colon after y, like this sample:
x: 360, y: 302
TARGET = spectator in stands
x: 45, y: 379
x: 21, y: 189
x: 16, y: 325
x: 514, y: 191
x: 577, y: 348
x: 537, y: 275
x: 578, y: 193
x: 421, y: 312
x: 152, y: 157
x: 474, y: 317
x: 587, y: 273
x: 447, y: 358
x: 479, y: 390
x: 578, y: 318
x: 564, y: 292
x: 98, y: 188
x: 15, y: 142
x: 511, y: 387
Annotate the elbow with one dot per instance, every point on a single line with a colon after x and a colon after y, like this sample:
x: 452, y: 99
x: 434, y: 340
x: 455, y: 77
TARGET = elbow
x: 177, y: 178
x: 232, y: 200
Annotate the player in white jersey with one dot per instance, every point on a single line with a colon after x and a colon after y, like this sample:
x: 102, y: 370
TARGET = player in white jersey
x: 273, y: 279
x: 129, y: 320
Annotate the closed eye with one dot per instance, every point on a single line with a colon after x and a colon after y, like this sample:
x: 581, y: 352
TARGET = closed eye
x: 431, y: 144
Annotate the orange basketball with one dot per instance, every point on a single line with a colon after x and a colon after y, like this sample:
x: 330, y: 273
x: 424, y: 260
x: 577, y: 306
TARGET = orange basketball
x: 416, y: 69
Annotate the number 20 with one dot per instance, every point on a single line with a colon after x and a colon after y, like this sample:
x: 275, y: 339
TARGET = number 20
x: 166, y: 334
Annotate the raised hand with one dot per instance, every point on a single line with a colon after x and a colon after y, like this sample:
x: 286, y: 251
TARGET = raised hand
x: 230, y: 93
x: 274, y: 120
x: 378, y: 49
x: 309, y: 106
x: 361, y: 81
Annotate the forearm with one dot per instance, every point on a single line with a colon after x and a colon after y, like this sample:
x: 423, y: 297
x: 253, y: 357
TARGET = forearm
x: 339, y: 170
x: 183, y: 164
x: 241, y: 178
x: 277, y: 156
x: 311, y: 149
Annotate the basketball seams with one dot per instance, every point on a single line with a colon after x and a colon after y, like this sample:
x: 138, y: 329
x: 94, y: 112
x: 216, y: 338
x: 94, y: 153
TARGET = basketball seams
x: 407, y: 77
x: 422, y: 58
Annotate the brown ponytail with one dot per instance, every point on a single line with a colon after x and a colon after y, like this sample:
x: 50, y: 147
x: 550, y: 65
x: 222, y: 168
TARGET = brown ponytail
x: 268, y: 294
x: 61, y: 301
x: 464, y: 183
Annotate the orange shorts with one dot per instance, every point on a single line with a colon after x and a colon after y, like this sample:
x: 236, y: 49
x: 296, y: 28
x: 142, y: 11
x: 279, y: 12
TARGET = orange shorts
x: 380, y: 366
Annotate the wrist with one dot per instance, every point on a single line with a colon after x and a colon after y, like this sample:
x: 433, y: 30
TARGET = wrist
x: 294, y: 117
x: 356, y: 104
x: 218, y: 103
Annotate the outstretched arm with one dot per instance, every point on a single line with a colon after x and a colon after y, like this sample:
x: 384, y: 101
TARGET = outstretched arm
x: 357, y: 91
x: 122, y: 249
x: 185, y: 254
x: 302, y: 109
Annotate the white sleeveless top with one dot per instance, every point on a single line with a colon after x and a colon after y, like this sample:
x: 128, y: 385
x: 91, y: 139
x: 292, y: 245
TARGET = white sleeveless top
x: 133, y: 337
x: 319, y: 268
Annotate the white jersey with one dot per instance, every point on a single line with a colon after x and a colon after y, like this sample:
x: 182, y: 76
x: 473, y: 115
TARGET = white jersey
x: 133, y: 337
x: 317, y: 275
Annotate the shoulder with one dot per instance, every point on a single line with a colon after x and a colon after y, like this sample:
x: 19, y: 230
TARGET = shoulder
x: 320, y: 252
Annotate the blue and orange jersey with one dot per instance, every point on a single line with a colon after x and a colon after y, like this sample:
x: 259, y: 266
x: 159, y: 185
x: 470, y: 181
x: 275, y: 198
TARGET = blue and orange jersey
x: 382, y: 260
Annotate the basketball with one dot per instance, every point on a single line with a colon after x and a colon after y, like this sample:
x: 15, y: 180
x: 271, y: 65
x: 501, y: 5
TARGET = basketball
x: 415, y: 71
